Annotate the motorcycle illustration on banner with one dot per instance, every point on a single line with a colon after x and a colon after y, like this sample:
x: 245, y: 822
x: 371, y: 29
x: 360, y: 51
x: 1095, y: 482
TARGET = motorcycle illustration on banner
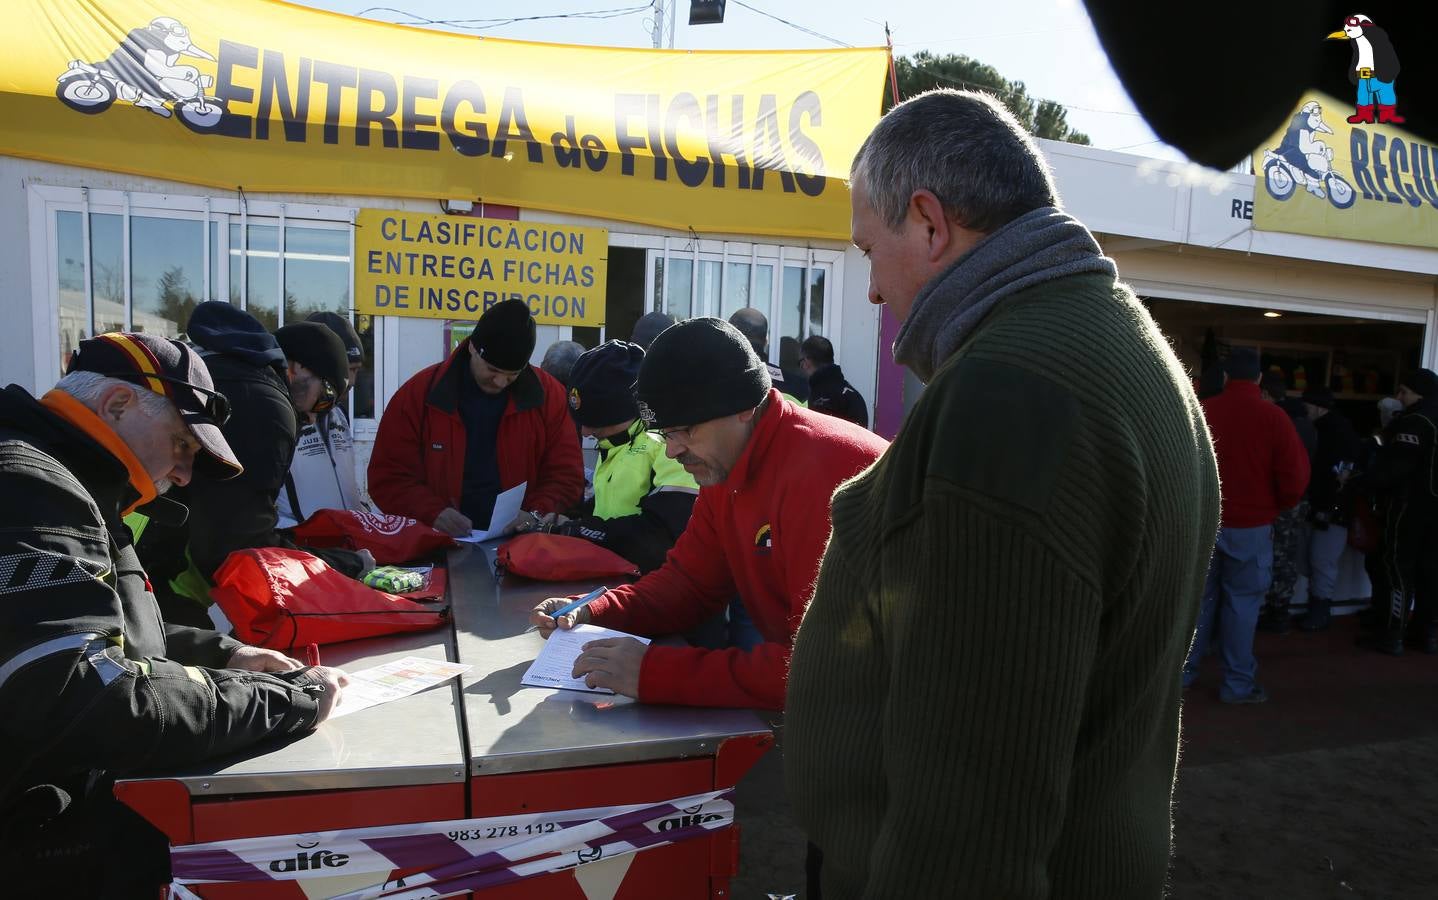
x: 1302, y: 158
x: 145, y: 71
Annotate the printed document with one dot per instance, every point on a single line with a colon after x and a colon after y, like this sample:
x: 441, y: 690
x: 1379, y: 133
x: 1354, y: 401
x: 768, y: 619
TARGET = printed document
x: 393, y: 681
x: 552, y: 668
x: 506, y: 507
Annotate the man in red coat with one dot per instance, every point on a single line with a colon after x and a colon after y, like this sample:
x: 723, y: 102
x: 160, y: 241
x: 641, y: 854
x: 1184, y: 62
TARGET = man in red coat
x: 460, y: 432
x: 1263, y: 470
x: 766, y: 470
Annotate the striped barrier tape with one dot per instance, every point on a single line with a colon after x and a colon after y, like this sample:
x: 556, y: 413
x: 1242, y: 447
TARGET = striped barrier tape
x: 484, y: 851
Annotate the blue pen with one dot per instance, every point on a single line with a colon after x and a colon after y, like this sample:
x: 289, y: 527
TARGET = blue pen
x: 582, y: 601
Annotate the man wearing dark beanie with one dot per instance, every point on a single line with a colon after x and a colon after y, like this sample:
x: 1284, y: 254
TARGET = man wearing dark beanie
x: 642, y: 498
x: 272, y: 383
x: 1262, y: 469
x: 322, y: 473
x: 766, y: 470
x: 460, y: 432
x: 1404, y: 480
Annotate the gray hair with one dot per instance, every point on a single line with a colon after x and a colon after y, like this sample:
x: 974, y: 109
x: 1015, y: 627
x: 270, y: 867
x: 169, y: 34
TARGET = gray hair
x: 90, y: 387
x: 966, y: 148
x: 559, y: 359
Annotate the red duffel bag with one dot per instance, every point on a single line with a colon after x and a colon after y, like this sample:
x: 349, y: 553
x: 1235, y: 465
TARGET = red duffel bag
x: 559, y: 557
x: 284, y: 599
x: 391, y: 539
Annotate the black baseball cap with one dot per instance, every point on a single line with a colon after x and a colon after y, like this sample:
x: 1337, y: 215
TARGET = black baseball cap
x: 175, y: 371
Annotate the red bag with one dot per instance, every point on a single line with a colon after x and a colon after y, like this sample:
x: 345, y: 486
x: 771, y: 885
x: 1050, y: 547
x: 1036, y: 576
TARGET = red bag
x: 283, y: 599
x: 558, y: 557
x: 392, y: 539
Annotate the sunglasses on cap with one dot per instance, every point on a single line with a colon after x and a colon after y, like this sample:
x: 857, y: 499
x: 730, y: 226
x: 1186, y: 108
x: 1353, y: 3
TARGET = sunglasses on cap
x: 216, y: 408
x: 327, y: 399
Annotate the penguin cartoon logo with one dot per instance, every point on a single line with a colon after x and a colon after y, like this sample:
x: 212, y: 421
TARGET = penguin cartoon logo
x: 1303, y: 158
x: 145, y: 71
x: 1372, y: 70
x: 574, y: 398
x: 764, y: 539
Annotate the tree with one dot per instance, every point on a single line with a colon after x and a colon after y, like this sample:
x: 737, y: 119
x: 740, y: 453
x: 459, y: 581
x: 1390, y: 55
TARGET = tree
x: 176, y: 299
x: 924, y: 71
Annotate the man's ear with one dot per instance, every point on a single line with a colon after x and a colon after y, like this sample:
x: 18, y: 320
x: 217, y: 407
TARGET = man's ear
x: 927, y: 212
x: 118, y: 400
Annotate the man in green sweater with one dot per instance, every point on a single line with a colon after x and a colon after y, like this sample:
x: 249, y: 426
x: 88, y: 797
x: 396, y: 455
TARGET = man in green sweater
x: 984, y: 693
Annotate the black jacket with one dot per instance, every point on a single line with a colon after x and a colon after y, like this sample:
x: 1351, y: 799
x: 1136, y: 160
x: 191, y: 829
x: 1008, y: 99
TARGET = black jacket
x: 1406, y: 468
x: 830, y: 393
x: 91, y: 677
x: 1337, y: 443
x: 247, y: 366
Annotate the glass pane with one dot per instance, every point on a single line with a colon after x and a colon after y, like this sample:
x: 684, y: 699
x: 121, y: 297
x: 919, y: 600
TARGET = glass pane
x: 107, y: 271
x: 791, y: 303
x: 362, y: 397
x: 707, y: 302
x: 816, y: 302
x: 215, y: 292
x: 317, y: 272
x: 166, y: 266
x: 263, y: 273
x: 763, y: 288
x: 736, y: 289
x: 681, y: 288
x: 70, y: 280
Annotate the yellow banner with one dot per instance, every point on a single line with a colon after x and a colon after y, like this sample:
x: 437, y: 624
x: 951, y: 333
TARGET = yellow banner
x: 456, y: 267
x: 1323, y: 176
x: 268, y: 96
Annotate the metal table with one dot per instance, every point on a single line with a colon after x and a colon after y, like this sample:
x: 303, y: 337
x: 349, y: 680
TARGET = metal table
x: 476, y: 747
x: 512, y: 728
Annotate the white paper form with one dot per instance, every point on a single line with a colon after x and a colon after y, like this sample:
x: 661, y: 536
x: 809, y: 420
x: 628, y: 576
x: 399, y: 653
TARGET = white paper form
x: 552, y: 668
x: 506, y: 507
x: 393, y: 681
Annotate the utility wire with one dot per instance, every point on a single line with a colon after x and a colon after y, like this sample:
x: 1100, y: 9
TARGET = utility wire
x: 486, y: 24
x: 795, y: 25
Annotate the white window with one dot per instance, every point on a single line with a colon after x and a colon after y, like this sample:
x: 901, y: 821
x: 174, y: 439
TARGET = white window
x: 142, y: 262
x: 795, y: 287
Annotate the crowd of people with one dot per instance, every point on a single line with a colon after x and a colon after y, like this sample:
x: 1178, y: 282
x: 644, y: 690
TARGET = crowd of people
x: 979, y: 633
x: 1300, y: 483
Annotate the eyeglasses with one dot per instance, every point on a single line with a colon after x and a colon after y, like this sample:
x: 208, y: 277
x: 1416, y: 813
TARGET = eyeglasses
x: 217, y: 405
x: 680, y: 433
x: 328, y: 400
x: 1353, y: 21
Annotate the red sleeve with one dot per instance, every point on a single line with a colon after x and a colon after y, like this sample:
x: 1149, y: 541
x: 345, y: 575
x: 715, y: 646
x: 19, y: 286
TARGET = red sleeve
x: 1291, y: 470
x: 693, y: 584
x: 560, y: 484
x: 396, y: 467
x: 693, y: 676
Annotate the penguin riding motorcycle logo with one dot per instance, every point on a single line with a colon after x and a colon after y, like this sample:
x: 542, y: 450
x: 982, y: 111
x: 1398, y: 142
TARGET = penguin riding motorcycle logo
x: 145, y: 71
x: 1303, y: 158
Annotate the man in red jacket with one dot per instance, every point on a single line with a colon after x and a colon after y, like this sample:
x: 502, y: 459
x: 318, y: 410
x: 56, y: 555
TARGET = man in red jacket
x: 462, y: 431
x: 1263, y: 470
x: 767, y: 470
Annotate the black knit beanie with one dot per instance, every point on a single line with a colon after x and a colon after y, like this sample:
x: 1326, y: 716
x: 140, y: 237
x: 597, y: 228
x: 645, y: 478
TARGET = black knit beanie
x: 504, y: 335
x: 318, y: 349
x: 1242, y: 364
x: 699, y: 370
x: 1422, y: 382
x: 601, y: 384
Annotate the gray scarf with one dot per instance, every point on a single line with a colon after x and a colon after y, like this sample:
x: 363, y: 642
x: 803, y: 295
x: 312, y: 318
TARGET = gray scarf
x: 1038, y: 246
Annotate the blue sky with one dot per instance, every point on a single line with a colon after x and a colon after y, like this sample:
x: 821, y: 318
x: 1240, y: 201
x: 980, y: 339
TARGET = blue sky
x: 1047, y: 44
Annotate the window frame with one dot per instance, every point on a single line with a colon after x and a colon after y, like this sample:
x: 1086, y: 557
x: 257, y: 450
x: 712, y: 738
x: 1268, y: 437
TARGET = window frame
x: 47, y: 201
x: 724, y: 252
